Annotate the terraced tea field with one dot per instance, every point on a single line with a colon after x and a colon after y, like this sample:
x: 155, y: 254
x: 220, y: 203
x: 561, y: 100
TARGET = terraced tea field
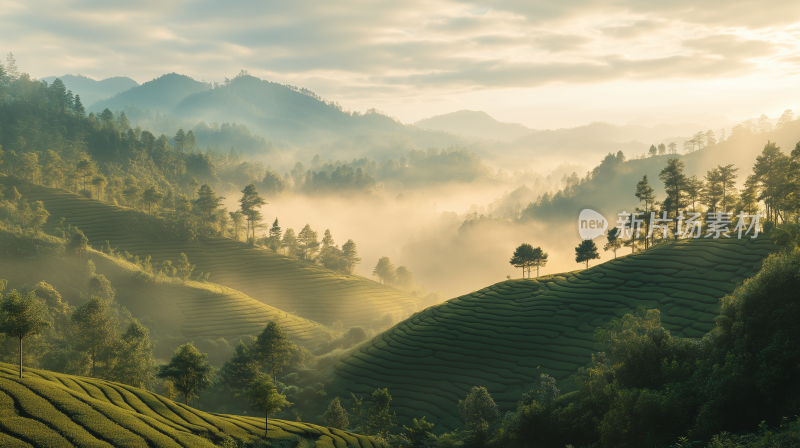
x: 49, y: 410
x: 288, y: 284
x: 504, y: 336
x: 191, y: 310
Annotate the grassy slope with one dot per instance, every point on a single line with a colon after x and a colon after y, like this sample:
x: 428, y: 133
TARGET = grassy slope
x: 189, y: 310
x: 45, y: 409
x: 504, y: 336
x: 311, y: 291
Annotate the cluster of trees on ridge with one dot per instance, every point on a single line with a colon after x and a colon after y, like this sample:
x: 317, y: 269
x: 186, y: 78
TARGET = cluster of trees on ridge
x: 774, y: 182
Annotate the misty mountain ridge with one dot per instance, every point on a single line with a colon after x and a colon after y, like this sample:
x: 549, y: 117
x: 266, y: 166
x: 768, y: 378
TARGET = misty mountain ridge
x: 470, y: 123
x: 91, y: 90
x: 162, y: 93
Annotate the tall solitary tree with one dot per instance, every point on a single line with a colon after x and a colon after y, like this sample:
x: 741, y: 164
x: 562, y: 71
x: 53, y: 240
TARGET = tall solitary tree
x: 21, y: 317
x: 264, y: 397
x: 188, y: 370
x: 273, y: 348
x: 274, y: 242
x: 646, y: 194
x: 586, y: 251
x: 250, y: 202
x: 613, y: 241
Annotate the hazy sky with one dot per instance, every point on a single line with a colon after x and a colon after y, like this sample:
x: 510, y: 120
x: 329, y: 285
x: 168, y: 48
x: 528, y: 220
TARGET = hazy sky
x: 541, y: 63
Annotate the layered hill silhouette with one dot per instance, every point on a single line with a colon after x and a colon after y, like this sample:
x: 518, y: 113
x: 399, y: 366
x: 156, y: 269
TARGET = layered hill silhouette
x: 504, y: 336
x: 46, y: 409
x: 285, y: 283
x: 162, y: 93
x: 474, y: 124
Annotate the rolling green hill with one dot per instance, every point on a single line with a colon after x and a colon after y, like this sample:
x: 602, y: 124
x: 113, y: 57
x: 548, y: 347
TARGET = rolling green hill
x: 48, y: 410
x: 194, y: 309
x: 504, y: 336
x: 310, y: 291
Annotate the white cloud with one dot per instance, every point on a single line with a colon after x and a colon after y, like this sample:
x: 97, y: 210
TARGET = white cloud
x: 356, y: 52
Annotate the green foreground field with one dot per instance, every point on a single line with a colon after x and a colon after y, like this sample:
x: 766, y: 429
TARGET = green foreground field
x: 49, y: 410
x: 310, y: 291
x: 504, y: 336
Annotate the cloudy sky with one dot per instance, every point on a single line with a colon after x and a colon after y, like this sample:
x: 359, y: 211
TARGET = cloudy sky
x: 541, y: 63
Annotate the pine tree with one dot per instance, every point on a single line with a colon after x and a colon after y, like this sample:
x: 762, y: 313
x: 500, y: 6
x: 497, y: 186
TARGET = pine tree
x: 586, y: 251
x: 135, y: 365
x: 675, y: 184
x: 539, y: 259
x: 522, y: 257
x: 274, y: 236
x: 646, y: 194
x: 273, y: 348
x: 307, y: 243
x: 613, y: 241
x: 240, y: 371
x: 250, y: 202
x: 77, y: 107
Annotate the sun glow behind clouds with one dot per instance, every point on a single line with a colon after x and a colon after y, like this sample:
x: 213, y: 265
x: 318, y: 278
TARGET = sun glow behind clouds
x: 583, y: 60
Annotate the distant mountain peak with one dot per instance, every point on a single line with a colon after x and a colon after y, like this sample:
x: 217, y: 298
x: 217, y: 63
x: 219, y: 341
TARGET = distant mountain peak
x: 473, y: 123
